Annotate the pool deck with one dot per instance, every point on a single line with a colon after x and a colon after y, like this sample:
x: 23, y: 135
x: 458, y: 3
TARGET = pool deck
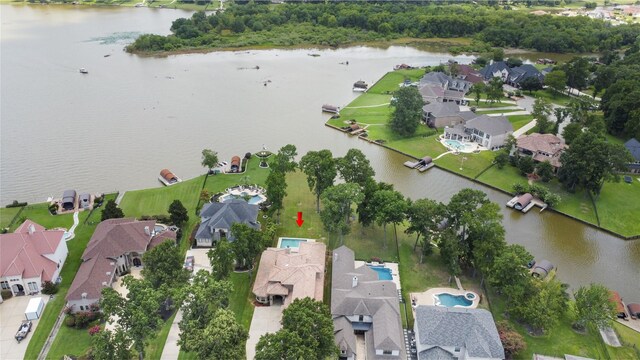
x: 428, y: 297
x: 395, y: 275
x: 293, y: 249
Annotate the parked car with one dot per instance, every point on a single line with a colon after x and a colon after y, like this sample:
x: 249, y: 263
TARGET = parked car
x: 24, y: 329
x: 188, y: 264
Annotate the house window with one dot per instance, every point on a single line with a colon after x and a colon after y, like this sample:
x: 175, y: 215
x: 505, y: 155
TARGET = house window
x: 81, y: 308
x: 386, y: 352
x: 457, y: 349
x: 32, y: 287
x: 5, y: 284
x: 360, y: 318
x: 343, y: 352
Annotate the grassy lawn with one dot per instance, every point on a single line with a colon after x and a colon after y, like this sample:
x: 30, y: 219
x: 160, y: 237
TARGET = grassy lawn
x: 518, y: 121
x: 40, y: 214
x: 156, y: 201
x: 253, y: 175
x: 156, y: 345
x: 471, y: 167
x: 63, y: 346
x: 390, y: 82
x: 615, y: 210
x: 490, y: 112
x: 241, y: 297
x: 503, y: 178
x: 552, y: 96
x: 6, y: 215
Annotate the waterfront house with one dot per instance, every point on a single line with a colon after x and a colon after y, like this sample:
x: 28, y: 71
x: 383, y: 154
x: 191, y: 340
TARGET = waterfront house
x: 488, y: 131
x: 440, y: 87
x: 456, y: 333
x: 541, y: 147
x: 30, y: 256
x: 365, y: 311
x: 468, y: 73
x: 439, y: 114
x: 495, y: 69
x: 542, y: 269
x: 633, y: 146
x: 116, y: 246
x: 69, y: 200
x: 284, y: 276
x: 217, y: 219
x: 512, y: 76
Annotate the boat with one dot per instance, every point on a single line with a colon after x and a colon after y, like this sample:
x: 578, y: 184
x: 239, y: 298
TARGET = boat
x: 360, y: 86
x: 168, y: 178
x: 83, y: 71
x: 330, y: 109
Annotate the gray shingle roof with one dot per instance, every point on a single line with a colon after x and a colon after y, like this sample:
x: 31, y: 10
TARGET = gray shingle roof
x: 436, y: 353
x: 633, y: 146
x: 472, y: 329
x: 370, y: 297
x: 492, y: 125
x: 223, y: 215
x: 496, y: 66
x: 445, y: 81
x: 438, y: 109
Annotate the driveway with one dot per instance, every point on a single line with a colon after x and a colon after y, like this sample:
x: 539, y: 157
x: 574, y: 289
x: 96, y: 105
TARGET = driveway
x: 266, y: 319
x: 119, y: 287
x: 11, y: 315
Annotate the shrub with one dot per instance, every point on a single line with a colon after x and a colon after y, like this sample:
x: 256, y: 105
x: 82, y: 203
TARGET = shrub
x: 49, y: 288
x: 15, y: 203
x: 6, y: 294
x: 83, y: 318
x: 53, y: 209
x: 94, y: 330
x: 247, y: 155
x: 511, y: 340
x: 501, y: 159
x: 519, y: 188
x: 70, y: 321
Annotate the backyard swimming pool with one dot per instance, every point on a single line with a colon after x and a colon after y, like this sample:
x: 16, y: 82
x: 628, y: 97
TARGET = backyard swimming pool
x: 449, y: 300
x: 384, y: 273
x: 253, y: 200
x: 455, y: 144
x: 292, y: 243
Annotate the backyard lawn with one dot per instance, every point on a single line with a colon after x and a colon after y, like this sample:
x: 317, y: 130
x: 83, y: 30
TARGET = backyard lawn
x: 7, y: 215
x: 63, y: 346
x: 518, y: 121
x: 615, y: 210
x: 391, y: 81
x: 469, y: 165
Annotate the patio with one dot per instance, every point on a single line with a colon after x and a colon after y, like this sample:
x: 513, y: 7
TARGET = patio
x: 429, y: 297
x: 395, y: 274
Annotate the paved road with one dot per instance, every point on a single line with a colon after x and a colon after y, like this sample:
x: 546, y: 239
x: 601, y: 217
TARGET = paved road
x: 171, y: 349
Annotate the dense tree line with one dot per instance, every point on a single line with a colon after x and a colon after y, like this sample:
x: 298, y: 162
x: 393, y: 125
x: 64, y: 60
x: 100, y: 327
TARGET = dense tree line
x: 335, y: 24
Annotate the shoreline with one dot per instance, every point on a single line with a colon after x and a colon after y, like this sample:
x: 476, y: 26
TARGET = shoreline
x: 609, y: 231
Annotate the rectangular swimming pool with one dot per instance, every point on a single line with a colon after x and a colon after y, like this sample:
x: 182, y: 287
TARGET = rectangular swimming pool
x: 384, y: 273
x: 290, y: 243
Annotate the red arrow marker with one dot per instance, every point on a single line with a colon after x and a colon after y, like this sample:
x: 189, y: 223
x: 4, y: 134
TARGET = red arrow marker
x: 300, y: 221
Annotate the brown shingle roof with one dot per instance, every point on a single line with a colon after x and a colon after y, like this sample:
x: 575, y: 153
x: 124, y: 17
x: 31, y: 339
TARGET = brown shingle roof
x: 295, y: 275
x: 546, y: 143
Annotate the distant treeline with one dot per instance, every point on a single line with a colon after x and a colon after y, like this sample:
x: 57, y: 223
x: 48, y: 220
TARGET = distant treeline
x: 332, y: 24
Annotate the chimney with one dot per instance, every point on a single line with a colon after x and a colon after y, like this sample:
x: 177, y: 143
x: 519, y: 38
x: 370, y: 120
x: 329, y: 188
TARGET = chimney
x: 32, y: 229
x: 354, y: 282
x: 146, y: 230
x: 84, y: 295
x: 104, y: 283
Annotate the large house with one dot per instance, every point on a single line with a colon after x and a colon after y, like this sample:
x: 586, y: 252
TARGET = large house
x: 365, y: 311
x: 30, y: 256
x: 116, y: 246
x: 456, y: 333
x: 218, y: 217
x: 512, y: 76
x: 542, y: 147
x: 633, y: 146
x: 488, y: 131
x: 439, y: 114
x: 285, y: 275
x: 468, y: 73
x: 440, y: 87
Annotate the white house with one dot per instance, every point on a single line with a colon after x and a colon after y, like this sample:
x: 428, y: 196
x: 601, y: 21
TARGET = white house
x: 30, y: 256
x: 488, y: 131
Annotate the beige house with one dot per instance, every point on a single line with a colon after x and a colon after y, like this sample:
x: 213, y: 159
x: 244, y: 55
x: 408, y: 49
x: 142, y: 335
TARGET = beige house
x: 542, y: 147
x: 284, y: 275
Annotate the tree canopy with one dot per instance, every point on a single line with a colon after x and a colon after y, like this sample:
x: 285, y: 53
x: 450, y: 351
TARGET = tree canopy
x: 163, y: 265
x: 178, y: 213
x: 594, y: 306
x: 209, y: 158
x: 111, y: 211
x: 407, y: 110
x: 354, y: 167
x: 320, y: 168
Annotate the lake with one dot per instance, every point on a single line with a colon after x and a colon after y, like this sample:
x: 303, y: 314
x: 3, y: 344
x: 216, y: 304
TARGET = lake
x: 116, y: 127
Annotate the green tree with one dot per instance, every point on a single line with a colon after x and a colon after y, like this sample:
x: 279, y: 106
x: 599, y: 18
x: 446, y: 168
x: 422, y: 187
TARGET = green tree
x: 390, y: 207
x: 450, y: 251
x: 163, y: 267
x: 354, y: 167
x: 531, y: 84
x: 248, y: 244
x: 556, y: 80
x: 509, y: 272
x: 209, y: 159
x: 590, y: 161
x: 407, y: 111
x: 283, y: 344
x: 178, y: 213
x: 284, y: 160
x: 137, y: 313
x: 501, y: 159
x: 424, y: 216
x: 571, y: 132
x: 276, y: 184
x: 477, y: 89
x: 497, y: 54
x: 486, y: 236
x: 542, y: 109
x: 222, y: 338
x: 320, y: 168
x: 544, y: 306
x: 366, y: 209
x: 577, y: 70
x: 111, y: 211
x: 311, y: 320
x: 204, y: 296
x: 494, y: 90
x: 110, y: 345
x: 594, y: 307
x: 526, y: 165
x: 337, y: 201
x: 514, y: 62
x: 544, y: 169
x: 221, y: 259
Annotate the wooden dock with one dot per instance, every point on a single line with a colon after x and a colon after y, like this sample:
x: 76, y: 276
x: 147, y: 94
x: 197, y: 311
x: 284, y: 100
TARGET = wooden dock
x: 422, y: 165
x: 532, y: 202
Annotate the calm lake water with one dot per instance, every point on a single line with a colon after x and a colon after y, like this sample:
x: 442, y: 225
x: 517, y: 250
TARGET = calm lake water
x: 131, y: 116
